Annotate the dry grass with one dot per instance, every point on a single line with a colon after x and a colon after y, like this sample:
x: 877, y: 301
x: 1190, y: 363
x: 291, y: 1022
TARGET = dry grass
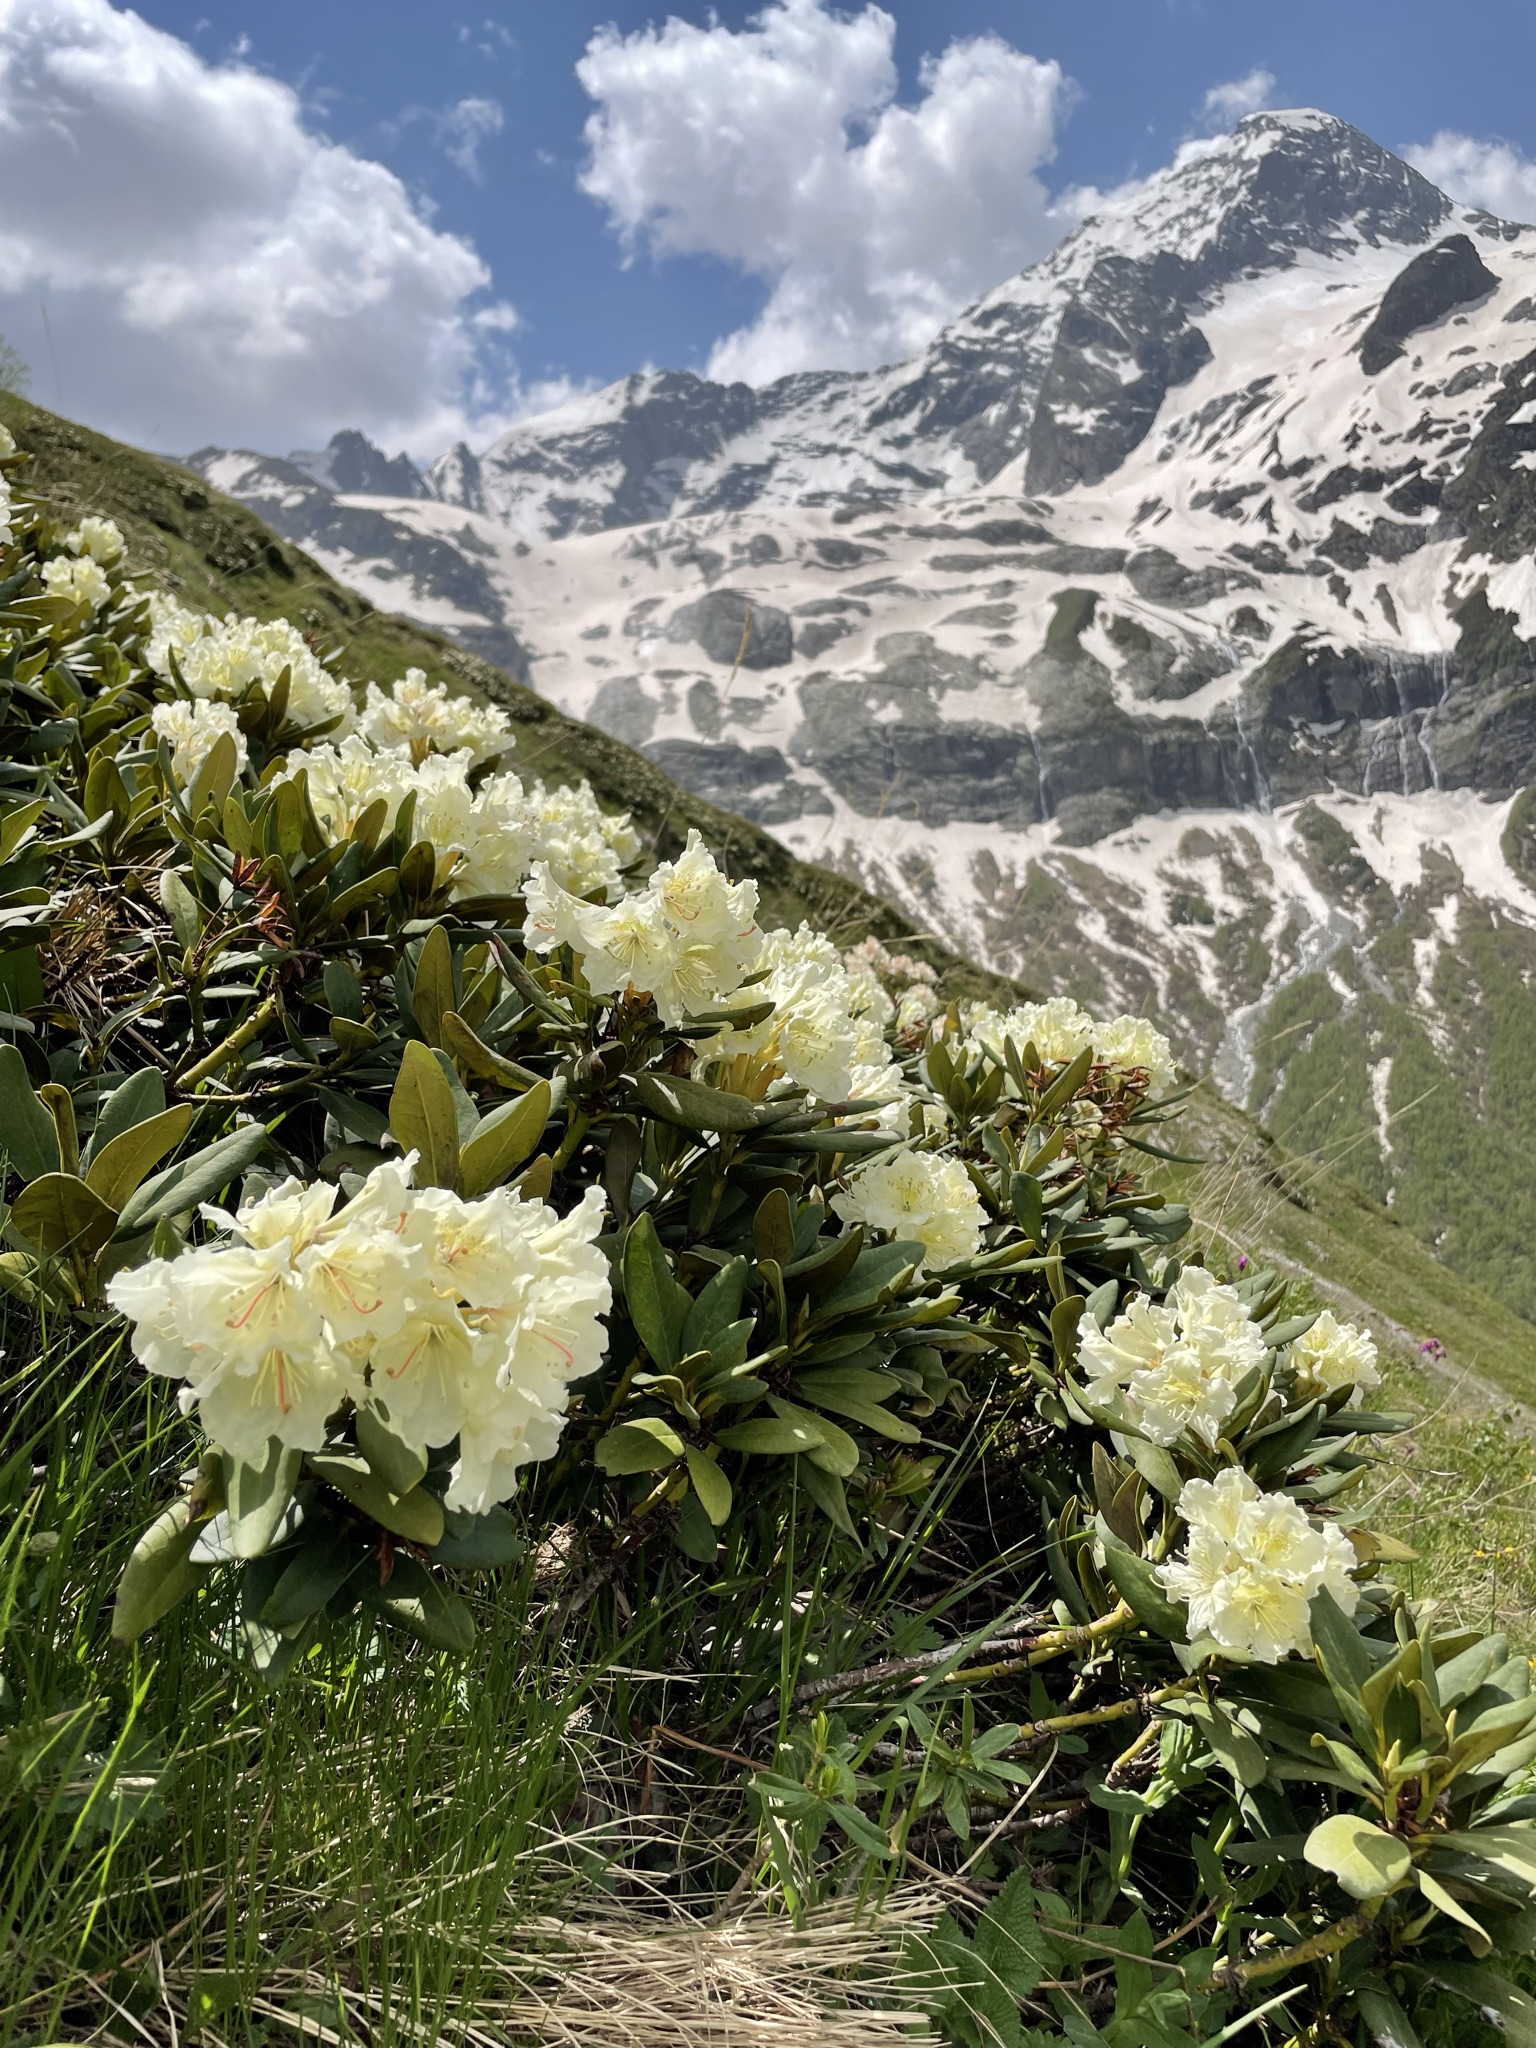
x: 615, y: 1976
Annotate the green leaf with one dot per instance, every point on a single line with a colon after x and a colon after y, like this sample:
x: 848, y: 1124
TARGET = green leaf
x: 1477, y: 1936
x: 645, y: 1445
x: 1367, y: 1861
x: 158, y: 1573
x: 828, y: 1390
x: 1026, y: 1197
x: 124, y: 1162
x: 769, y: 1438
x: 836, y: 1453
x: 828, y: 1492
x: 1390, y: 2026
x: 60, y: 1213
x: 1066, y: 1084
x: 714, y: 1308
x: 479, y: 1540
x: 1491, y: 1992
x: 400, y: 1465
x: 773, y: 1229
x: 414, y: 1600
x: 879, y: 1272
x: 417, y: 1515
x: 423, y: 1119
x: 133, y: 1101
x: 343, y: 991
x: 28, y: 1139
x: 1511, y: 1849
x: 432, y: 992
x: 694, y: 1534
x: 257, y: 1497
x: 657, y: 1306
x: 213, y: 781
x: 323, y: 1566
x: 711, y: 1485
x: 695, y: 1106
x: 504, y: 1140
x: 860, y: 1830
x: 202, y: 1178
x: 461, y: 1043
x: 1136, y: 1581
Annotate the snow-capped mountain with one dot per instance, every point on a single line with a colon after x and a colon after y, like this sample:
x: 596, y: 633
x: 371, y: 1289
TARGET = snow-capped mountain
x: 1165, y: 631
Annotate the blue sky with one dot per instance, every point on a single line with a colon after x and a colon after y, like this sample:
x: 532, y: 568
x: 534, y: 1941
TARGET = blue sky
x: 478, y: 114
x: 1393, y: 67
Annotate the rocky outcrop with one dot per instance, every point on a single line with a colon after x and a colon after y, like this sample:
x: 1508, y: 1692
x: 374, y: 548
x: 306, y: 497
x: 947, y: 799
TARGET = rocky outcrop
x: 1451, y: 274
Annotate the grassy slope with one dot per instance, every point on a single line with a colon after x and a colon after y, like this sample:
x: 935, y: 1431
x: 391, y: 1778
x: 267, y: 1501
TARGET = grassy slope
x: 216, y: 554
x: 1460, y: 1487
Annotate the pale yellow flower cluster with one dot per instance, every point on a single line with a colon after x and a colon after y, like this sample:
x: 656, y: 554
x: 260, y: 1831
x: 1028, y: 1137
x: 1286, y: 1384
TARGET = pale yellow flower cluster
x: 688, y: 938
x: 1175, y: 1366
x: 1059, y: 1031
x: 224, y: 657
x: 921, y: 1196
x: 414, y: 715
x: 452, y: 1319
x: 1252, y: 1566
x: 193, y: 726
x: 79, y: 578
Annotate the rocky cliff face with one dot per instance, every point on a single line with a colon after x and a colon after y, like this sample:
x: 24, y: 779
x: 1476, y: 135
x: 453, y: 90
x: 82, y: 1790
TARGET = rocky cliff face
x: 1165, y: 631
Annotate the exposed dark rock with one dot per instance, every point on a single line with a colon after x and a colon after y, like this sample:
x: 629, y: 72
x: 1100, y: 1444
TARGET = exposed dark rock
x: 1451, y: 274
x: 719, y: 624
x: 351, y: 464
x: 813, y: 639
x: 1161, y: 578
x: 622, y: 708
x: 755, y: 782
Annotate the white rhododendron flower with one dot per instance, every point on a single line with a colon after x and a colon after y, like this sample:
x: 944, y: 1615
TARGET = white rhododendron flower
x: 173, y: 626
x: 1252, y: 1566
x: 486, y: 838
x: 1059, y: 1031
x: 452, y: 1318
x: 1332, y: 1355
x: 1176, y: 1364
x: 828, y: 1025
x: 192, y: 726
x: 6, y: 509
x: 687, y: 939
x: 7, y: 441
x: 416, y: 715
x: 224, y: 658
x: 917, y: 1195
x: 78, y: 578
x: 101, y: 539
x: 583, y: 848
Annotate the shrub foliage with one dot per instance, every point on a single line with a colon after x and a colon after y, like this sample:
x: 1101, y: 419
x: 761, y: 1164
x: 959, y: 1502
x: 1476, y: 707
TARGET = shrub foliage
x: 568, y: 1208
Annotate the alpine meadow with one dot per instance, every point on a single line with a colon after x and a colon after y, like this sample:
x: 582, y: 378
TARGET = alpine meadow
x: 843, y: 1356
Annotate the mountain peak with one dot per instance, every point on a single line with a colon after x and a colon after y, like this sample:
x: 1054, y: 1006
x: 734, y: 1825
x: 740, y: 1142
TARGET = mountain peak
x: 1282, y: 181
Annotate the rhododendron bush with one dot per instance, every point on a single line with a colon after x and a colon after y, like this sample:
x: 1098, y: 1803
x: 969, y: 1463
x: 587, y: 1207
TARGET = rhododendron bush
x: 469, y: 1171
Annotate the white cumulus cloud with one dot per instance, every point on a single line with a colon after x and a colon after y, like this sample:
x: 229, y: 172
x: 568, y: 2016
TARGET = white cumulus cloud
x: 212, y: 269
x: 782, y: 148
x: 1226, y: 104
x: 463, y: 127
x: 1494, y: 175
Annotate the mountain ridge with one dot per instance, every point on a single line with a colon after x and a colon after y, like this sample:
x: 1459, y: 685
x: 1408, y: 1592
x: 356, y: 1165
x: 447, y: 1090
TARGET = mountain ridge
x: 1165, y: 632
